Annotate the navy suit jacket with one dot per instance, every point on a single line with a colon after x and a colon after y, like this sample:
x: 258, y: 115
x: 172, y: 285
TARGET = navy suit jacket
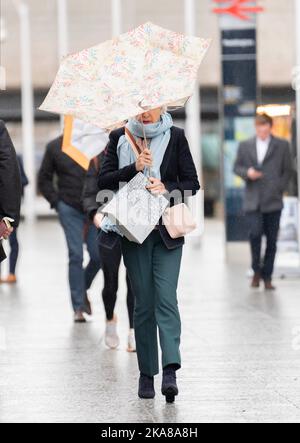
x: 178, y: 173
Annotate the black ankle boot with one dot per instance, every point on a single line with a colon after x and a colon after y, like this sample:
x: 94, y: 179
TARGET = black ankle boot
x: 146, y: 387
x: 169, y: 384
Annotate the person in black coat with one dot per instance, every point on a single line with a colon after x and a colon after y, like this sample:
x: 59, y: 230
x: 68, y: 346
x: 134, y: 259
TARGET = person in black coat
x: 13, y: 239
x: 154, y: 266
x: 110, y: 261
x: 10, y: 181
x: 61, y: 182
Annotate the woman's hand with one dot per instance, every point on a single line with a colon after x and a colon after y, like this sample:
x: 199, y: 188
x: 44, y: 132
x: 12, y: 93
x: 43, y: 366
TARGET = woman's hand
x: 156, y: 187
x: 144, y: 161
x: 98, y: 218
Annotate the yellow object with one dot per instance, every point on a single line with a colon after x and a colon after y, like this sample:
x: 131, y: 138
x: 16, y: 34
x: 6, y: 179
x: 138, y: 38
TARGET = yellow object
x: 69, y: 149
x: 82, y: 141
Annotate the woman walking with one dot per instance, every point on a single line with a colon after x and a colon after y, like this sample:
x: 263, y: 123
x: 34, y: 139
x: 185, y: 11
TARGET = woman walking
x: 110, y: 262
x: 154, y: 266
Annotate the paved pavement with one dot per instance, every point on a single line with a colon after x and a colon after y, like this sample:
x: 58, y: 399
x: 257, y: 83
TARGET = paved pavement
x: 240, y: 357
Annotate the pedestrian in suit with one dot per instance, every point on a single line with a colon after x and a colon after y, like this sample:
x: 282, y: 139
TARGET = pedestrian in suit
x: 10, y: 181
x: 264, y: 162
x: 154, y: 266
x: 61, y: 181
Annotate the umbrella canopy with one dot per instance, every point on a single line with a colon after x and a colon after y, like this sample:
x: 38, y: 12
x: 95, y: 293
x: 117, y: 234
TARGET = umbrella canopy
x: 143, y: 69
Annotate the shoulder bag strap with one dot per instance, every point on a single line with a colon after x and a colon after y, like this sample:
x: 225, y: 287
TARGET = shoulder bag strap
x: 135, y: 147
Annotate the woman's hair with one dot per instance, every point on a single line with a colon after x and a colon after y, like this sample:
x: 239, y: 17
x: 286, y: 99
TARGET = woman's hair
x: 164, y: 109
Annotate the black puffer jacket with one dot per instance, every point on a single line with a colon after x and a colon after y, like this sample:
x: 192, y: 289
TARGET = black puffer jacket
x: 90, y: 189
x: 70, y: 177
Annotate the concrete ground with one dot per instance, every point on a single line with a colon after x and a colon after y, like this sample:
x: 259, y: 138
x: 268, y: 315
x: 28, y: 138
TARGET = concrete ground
x: 241, y: 348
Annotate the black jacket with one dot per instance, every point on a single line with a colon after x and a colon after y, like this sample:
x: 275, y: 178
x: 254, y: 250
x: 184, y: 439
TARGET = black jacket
x: 10, y: 180
x: 90, y: 189
x: 178, y: 172
x: 24, y: 178
x: 70, y: 177
x: 265, y: 195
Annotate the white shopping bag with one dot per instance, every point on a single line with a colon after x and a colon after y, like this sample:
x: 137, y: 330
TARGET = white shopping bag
x: 135, y: 210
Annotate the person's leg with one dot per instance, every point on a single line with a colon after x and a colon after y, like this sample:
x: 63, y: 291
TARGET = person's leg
x: 72, y: 222
x: 255, y: 222
x: 139, y: 264
x: 130, y: 309
x: 130, y: 302
x: 13, y: 258
x: 166, y: 268
x: 14, y: 252
x: 271, y: 228
x: 110, y: 259
x: 94, y: 265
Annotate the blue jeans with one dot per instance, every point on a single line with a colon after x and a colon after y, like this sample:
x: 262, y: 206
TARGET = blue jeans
x: 14, y: 252
x: 80, y: 279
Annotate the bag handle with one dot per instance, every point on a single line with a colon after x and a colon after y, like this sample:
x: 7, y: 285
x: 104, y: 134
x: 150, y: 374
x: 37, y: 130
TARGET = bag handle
x: 135, y: 147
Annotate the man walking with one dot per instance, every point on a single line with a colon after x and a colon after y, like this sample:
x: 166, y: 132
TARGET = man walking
x: 65, y: 195
x: 10, y: 183
x: 264, y: 162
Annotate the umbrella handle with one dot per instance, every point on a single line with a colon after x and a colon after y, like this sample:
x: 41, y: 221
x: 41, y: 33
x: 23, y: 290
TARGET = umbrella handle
x: 146, y: 144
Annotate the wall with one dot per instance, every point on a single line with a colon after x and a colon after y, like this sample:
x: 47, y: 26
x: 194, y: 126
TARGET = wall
x: 91, y: 25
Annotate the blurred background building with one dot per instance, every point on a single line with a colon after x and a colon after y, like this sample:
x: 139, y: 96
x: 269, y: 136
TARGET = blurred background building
x: 89, y: 23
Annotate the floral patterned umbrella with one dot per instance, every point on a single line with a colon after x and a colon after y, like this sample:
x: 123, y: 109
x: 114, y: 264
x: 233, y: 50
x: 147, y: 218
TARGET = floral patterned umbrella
x: 143, y: 69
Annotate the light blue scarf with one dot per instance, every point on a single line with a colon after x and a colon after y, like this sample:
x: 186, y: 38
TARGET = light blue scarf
x: 159, y: 135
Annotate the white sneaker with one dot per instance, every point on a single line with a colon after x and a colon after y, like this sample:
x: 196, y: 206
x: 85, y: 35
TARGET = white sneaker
x: 131, y: 341
x: 112, y: 340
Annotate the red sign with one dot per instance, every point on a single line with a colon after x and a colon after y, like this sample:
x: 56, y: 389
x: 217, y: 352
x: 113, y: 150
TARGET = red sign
x: 237, y: 8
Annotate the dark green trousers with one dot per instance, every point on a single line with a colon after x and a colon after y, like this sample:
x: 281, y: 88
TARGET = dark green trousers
x: 153, y: 271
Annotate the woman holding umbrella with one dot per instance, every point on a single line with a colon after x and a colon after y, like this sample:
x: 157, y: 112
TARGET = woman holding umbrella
x: 144, y: 69
x: 154, y: 266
